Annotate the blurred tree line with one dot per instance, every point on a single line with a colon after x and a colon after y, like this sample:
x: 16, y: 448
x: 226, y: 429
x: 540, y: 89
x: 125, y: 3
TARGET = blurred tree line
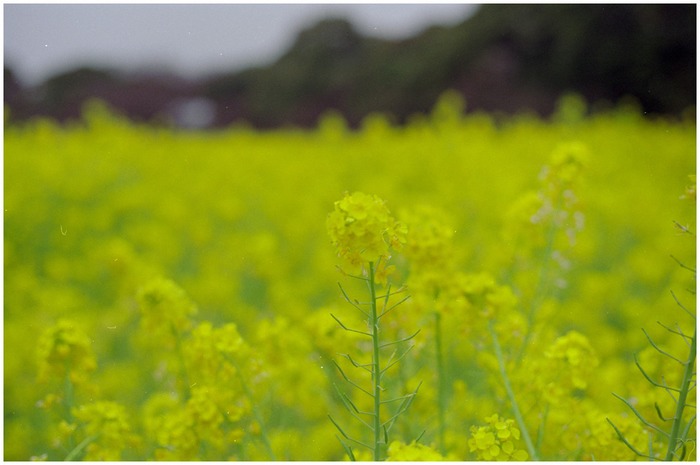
x: 503, y: 59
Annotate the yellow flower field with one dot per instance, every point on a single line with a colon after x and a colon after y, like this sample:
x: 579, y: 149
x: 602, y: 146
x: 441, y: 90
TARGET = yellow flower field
x: 461, y: 288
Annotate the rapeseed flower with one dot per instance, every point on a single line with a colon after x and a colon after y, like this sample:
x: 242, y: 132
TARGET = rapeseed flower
x: 108, y: 424
x: 65, y: 350
x: 401, y: 452
x: 568, y: 365
x: 363, y: 230
x: 165, y: 311
x: 497, y: 441
x: 88, y: 224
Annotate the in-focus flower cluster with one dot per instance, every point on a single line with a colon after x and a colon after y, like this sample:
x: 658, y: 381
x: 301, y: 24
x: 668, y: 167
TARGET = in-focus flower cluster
x: 363, y: 230
x: 498, y: 440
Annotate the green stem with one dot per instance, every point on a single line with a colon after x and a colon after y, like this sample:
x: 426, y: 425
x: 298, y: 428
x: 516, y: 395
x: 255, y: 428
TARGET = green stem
x: 511, y: 395
x: 441, y: 383
x: 181, y: 359
x: 541, y: 285
x: 69, y: 395
x: 79, y: 448
x: 682, y: 396
x: 253, y: 406
x: 376, y: 373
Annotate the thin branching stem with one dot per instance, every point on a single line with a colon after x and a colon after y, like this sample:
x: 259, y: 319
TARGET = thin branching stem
x: 682, y: 306
x: 682, y: 265
x: 389, y: 293
x: 627, y: 443
x: 686, y: 430
x: 365, y: 366
x: 408, y: 400
x: 346, y: 448
x: 408, y: 338
x: 440, y: 382
x: 392, y: 363
x: 682, y: 396
x: 351, y: 382
x: 350, y: 329
x: 376, y: 370
x: 511, y: 395
x: 663, y: 386
x: 354, y: 304
x: 641, y: 418
x: 679, y: 332
x: 395, y: 305
x: 660, y: 415
x: 346, y: 436
x: 376, y: 307
x: 659, y: 349
x: 361, y: 278
x: 356, y: 413
x: 77, y: 450
x: 542, y: 283
x: 254, y: 407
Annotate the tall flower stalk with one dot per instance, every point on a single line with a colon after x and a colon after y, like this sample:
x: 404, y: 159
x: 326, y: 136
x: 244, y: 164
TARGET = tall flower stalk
x: 364, y: 233
x: 679, y: 438
x: 431, y: 253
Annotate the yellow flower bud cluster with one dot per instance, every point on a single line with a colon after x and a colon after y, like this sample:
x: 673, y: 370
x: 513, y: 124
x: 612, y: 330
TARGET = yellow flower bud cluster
x: 401, y: 452
x: 430, y: 252
x: 429, y: 239
x: 363, y: 230
x: 108, y: 424
x: 213, y: 408
x: 171, y: 427
x: 499, y: 440
x: 565, y: 166
x: 64, y: 349
x: 569, y: 364
x: 210, y: 353
x: 165, y: 311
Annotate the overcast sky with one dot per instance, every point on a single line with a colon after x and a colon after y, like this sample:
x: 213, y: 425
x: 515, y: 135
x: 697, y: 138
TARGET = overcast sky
x: 192, y: 40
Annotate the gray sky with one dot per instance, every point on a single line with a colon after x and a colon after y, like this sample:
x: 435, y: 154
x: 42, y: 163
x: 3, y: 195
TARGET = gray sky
x: 192, y: 40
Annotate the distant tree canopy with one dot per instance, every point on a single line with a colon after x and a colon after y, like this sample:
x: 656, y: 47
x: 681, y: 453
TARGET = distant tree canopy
x: 504, y: 58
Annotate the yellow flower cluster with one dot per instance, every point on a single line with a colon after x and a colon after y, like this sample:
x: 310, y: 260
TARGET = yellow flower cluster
x: 107, y: 428
x: 499, y: 440
x: 569, y: 364
x: 216, y: 402
x: 90, y: 213
x: 65, y: 350
x: 564, y: 169
x: 429, y: 239
x: 546, y: 222
x: 363, y: 230
x: 401, y: 452
x: 171, y: 428
x: 165, y: 311
x: 430, y: 253
x: 211, y: 353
